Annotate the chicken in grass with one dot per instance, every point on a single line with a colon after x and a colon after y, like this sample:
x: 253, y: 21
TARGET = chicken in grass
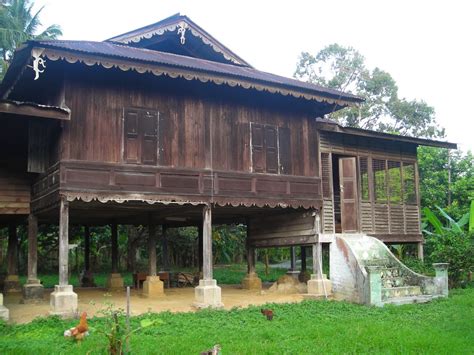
x: 215, y: 350
x: 80, y: 331
x: 267, y: 313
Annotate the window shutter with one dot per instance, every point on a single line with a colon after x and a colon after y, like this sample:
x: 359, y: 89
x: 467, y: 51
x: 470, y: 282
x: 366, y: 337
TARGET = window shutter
x: 271, y: 149
x: 131, y: 140
x: 285, y: 150
x: 258, y: 162
x: 149, y: 122
x: 326, y: 175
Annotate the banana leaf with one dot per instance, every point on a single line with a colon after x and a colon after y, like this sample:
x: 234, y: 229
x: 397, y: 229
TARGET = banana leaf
x: 471, y: 218
x: 454, y: 226
x: 433, y: 220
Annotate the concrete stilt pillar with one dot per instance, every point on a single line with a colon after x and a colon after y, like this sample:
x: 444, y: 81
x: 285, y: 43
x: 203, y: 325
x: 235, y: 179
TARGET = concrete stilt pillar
x: 207, y: 294
x: 318, y: 285
x: 441, y: 278
x: 420, y: 251
x: 12, y: 281
x: 4, y: 313
x: 152, y: 286
x: 251, y: 281
x: 87, y: 277
x: 32, y: 290
x: 115, y: 280
x: 63, y: 301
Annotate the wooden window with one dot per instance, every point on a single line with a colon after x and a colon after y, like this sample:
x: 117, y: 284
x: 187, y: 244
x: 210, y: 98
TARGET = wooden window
x: 380, y: 180
x: 271, y: 149
x: 141, y: 136
x: 394, y: 182
x: 364, y: 178
x: 409, y: 186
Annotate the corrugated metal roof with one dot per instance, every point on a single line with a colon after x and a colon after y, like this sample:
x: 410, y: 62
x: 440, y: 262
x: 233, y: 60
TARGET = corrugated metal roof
x: 108, y: 49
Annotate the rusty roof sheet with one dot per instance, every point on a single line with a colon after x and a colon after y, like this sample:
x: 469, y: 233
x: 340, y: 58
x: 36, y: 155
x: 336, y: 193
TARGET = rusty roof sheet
x: 108, y: 49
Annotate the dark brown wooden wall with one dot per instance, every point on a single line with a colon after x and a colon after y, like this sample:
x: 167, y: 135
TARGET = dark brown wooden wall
x: 95, y: 132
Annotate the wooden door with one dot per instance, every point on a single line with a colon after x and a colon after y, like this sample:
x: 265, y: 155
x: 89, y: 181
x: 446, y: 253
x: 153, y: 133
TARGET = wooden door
x: 348, y: 187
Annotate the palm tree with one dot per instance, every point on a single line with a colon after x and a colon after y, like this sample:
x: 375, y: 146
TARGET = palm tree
x: 18, y: 24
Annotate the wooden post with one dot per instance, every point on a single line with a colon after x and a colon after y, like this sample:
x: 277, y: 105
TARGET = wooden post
x: 114, y: 248
x: 303, y: 258
x: 317, y: 260
x: 293, y: 259
x: 12, y: 250
x: 164, y: 248
x: 63, y: 242
x: 207, y: 243
x: 420, y: 251
x: 152, y: 249
x: 87, y: 248
x: 32, y: 248
x: 250, y: 260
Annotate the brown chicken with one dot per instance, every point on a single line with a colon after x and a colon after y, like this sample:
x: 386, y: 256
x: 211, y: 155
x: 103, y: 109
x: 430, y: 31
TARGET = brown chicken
x: 80, y: 331
x: 267, y: 313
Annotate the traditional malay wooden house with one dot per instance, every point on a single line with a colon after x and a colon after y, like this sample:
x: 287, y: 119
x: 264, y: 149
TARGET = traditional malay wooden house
x: 164, y: 125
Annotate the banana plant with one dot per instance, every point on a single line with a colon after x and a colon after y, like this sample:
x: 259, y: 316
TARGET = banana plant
x: 452, y: 225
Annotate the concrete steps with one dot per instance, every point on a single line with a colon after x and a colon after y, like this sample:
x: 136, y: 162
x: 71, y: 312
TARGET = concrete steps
x: 409, y: 300
x: 397, y: 292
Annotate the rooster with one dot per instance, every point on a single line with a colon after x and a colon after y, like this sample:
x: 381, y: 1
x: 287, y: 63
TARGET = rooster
x: 267, y: 313
x: 80, y: 331
x: 215, y: 350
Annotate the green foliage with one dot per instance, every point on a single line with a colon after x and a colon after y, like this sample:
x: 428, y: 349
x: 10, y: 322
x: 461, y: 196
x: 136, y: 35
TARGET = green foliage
x: 18, y: 24
x: 442, y: 327
x: 450, y: 243
x: 434, y: 165
x: 344, y: 68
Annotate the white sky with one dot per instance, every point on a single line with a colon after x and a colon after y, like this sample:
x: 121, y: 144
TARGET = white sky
x: 427, y: 46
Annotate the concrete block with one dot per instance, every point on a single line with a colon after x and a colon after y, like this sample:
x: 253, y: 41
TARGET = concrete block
x: 318, y: 286
x: 63, y: 301
x: 4, y: 313
x: 441, y: 278
x: 33, y: 292
x: 251, y: 282
x: 375, y: 285
x: 115, y: 282
x: 12, y: 284
x: 153, y: 287
x: 207, y: 295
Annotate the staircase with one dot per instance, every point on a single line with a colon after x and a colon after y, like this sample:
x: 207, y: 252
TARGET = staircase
x: 380, y: 278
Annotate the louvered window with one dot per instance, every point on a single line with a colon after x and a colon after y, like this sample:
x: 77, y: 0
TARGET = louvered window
x: 380, y: 180
x: 140, y: 136
x: 409, y: 187
x: 326, y: 175
x: 364, y: 178
x: 271, y: 149
x: 394, y: 182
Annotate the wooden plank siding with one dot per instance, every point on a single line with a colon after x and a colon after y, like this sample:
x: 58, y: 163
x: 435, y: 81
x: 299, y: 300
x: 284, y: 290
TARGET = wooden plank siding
x: 14, y: 193
x: 203, y: 155
x: 95, y: 132
x: 390, y: 221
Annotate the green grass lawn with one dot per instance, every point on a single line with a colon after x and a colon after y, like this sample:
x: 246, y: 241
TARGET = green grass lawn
x: 442, y: 327
x: 224, y: 274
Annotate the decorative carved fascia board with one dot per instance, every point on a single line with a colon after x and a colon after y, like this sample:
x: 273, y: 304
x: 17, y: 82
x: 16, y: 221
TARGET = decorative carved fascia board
x: 158, y: 70
x: 182, y: 28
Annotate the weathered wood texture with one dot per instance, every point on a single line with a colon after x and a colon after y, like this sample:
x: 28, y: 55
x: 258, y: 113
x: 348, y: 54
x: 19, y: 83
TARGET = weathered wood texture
x: 63, y: 242
x: 15, y: 183
x: 397, y: 218
x: 32, y: 247
x: 293, y: 228
x: 194, y: 132
x: 14, y: 192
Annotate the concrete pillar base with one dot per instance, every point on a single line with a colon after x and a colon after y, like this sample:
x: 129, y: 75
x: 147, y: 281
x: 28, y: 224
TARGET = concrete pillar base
x: 293, y: 273
x: 251, y: 282
x: 115, y: 282
x: 33, y: 292
x: 317, y: 287
x: 207, y: 295
x: 63, y: 301
x: 153, y: 287
x: 4, y: 312
x: 12, y: 284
